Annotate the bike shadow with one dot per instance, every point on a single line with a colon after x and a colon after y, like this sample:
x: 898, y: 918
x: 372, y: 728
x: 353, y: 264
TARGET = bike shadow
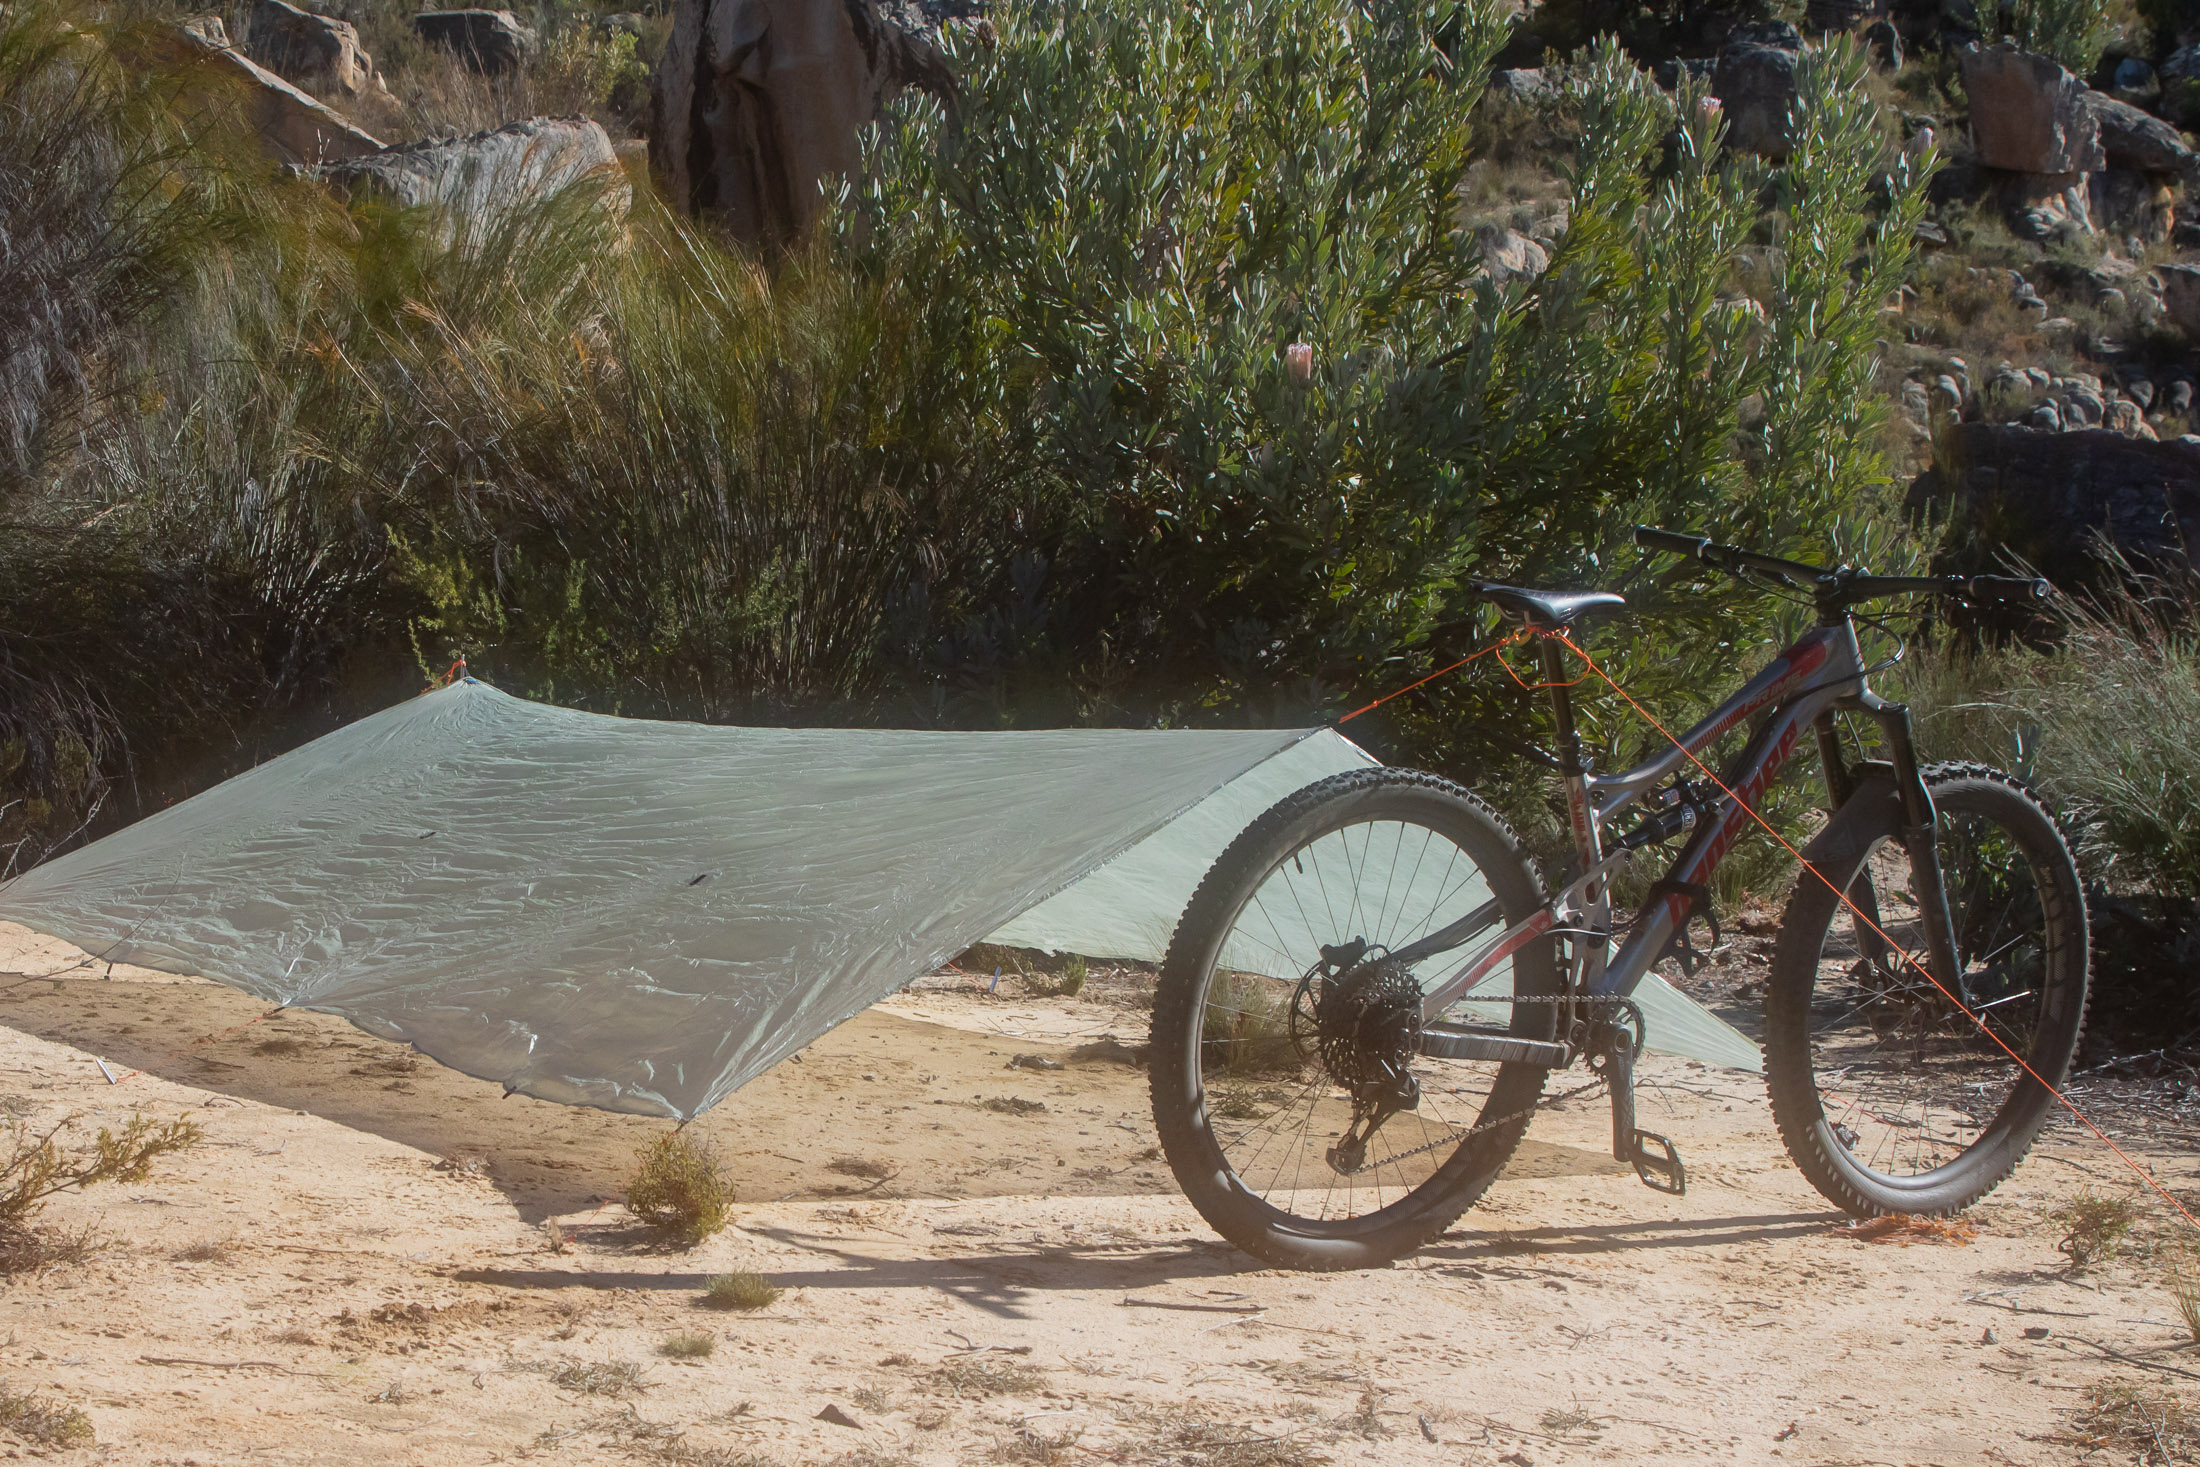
x: 1499, y: 1245
x: 1010, y: 1283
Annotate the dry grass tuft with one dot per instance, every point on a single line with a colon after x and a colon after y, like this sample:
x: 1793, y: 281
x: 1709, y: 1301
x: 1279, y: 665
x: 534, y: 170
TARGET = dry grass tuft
x: 680, y: 1189
x: 43, y: 1421
x: 2184, y: 1289
x: 34, y: 1250
x: 277, y: 1047
x: 688, y: 1347
x: 2154, y: 1426
x: 1012, y: 1105
x: 1066, y: 982
x: 2094, y: 1225
x: 859, y: 1166
x: 739, y: 1290
x: 1030, y: 1444
x: 1216, y: 1444
x: 597, y: 1377
x: 978, y: 1376
x: 207, y: 1250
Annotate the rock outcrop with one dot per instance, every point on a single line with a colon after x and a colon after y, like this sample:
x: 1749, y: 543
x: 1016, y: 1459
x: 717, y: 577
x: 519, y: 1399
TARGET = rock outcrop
x: 2028, y: 115
x: 2049, y: 498
x: 477, y: 181
x: 215, y: 76
x: 313, y: 50
x: 1755, y: 82
x: 488, y: 41
x: 758, y: 101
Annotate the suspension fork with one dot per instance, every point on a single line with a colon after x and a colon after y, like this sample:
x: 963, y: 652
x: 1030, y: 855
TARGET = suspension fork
x: 1920, y: 824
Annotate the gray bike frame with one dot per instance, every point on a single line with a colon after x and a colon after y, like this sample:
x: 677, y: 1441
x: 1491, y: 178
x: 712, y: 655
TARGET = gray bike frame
x: 1803, y: 686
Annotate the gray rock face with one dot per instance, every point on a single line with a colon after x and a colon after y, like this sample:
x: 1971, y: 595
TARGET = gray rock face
x: 300, y: 46
x: 217, y: 78
x: 2128, y: 202
x: 488, y: 41
x: 1520, y: 85
x: 1509, y: 255
x: 2132, y: 139
x: 1885, y: 43
x: 2029, y: 115
x: 2047, y: 495
x: 481, y: 179
x: 756, y: 101
x: 2180, y: 289
x: 1670, y: 75
x: 1756, y: 85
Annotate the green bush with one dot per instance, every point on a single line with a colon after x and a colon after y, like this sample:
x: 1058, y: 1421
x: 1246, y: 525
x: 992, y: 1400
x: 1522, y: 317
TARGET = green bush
x: 1019, y: 438
x: 680, y: 1189
x: 2070, y: 31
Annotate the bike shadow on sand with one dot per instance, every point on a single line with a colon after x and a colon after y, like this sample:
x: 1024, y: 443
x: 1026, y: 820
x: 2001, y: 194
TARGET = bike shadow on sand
x: 1012, y: 1281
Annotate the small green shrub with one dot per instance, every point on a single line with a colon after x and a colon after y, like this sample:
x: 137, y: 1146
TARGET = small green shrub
x: 1066, y: 981
x: 2070, y: 31
x: 2094, y: 1225
x: 680, y: 1189
x: 37, y: 1168
x: 42, y: 1420
x: 739, y: 1290
x: 688, y: 1346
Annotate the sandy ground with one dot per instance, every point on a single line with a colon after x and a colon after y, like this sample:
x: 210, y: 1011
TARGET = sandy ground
x: 398, y: 1265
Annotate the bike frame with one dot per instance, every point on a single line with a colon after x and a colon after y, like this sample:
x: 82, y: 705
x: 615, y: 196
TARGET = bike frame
x: 1821, y: 674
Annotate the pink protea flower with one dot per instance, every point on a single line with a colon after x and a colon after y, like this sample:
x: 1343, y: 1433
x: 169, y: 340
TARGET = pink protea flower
x: 1709, y: 108
x: 1298, y: 360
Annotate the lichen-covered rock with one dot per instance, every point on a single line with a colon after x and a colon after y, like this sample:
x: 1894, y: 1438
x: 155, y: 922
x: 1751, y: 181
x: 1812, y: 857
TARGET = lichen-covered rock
x: 300, y: 46
x: 2028, y: 115
x: 2132, y: 139
x: 214, y: 77
x: 479, y: 180
x: 757, y: 101
x: 2180, y: 291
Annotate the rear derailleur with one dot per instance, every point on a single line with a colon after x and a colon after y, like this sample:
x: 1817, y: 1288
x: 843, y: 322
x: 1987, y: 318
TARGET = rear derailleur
x: 1361, y: 1015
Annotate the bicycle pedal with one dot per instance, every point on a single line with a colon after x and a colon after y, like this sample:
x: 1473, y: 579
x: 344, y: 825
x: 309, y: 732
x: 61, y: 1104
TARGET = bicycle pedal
x: 1661, y: 1170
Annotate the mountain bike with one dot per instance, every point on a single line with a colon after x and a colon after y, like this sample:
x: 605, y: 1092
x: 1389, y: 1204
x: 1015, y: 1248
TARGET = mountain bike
x: 1362, y: 1002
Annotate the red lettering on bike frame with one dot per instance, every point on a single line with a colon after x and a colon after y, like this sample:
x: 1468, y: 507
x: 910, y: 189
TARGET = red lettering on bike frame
x: 1512, y: 942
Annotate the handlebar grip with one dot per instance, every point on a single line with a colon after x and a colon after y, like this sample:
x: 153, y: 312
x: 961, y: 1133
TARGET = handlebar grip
x: 1693, y: 546
x: 2002, y: 588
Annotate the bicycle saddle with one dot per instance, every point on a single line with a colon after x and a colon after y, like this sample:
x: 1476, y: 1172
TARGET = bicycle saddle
x: 1547, y: 609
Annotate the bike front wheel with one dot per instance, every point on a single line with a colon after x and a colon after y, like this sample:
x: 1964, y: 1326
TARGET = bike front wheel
x: 1890, y: 1095
x: 1291, y: 1097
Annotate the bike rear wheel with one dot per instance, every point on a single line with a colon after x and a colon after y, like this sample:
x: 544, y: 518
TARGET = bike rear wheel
x: 1890, y: 1097
x: 1272, y: 1056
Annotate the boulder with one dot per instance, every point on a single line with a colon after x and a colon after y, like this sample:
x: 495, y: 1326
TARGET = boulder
x: 757, y: 101
x: 2132, y: 80
x: 2180, y: 290
x: 1841, y: 15
x: 488, y: 41
x: 2048, y: 497
x: 1777, y: 34
x: 215, y: 77
x: 300, y: 46
x: 479, y: 180
x: 2051, y: 208
x: 2132, y: 139
x: 1885, y: 43
x: 2028, y: 115
x: 1672, y: 75
x: 2125, y: 201
x: 1520, y: 86
x: 1756, y: 84
x: 1508, y: 254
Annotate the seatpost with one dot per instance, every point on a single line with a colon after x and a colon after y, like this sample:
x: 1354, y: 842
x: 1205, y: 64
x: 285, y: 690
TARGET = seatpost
x: 1571, y: 765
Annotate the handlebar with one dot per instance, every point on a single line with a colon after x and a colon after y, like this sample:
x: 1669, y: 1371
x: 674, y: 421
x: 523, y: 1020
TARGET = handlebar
x: 1843, y: 585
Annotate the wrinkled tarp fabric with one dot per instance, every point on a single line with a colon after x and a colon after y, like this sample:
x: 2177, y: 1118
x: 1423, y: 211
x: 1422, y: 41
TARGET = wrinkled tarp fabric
x: 634, y: 915
x: 643, y: 916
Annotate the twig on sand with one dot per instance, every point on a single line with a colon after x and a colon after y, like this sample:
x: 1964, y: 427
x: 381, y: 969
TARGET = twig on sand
x: 972, y: 1347
x: 1130, y: 1303
x: 2116, y: 1354
x: 230, y: 1365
